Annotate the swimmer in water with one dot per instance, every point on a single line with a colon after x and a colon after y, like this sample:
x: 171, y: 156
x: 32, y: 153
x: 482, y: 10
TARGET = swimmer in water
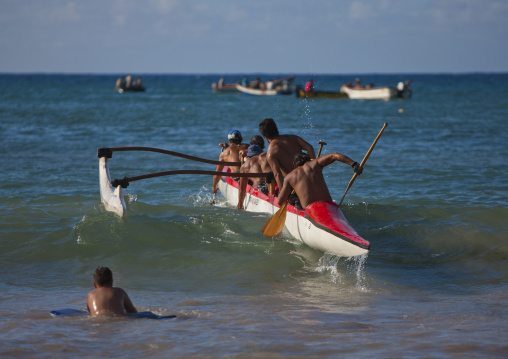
x: 106, y: 300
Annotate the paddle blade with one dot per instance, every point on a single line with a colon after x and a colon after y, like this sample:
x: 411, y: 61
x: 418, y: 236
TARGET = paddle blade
x: 275, y: 224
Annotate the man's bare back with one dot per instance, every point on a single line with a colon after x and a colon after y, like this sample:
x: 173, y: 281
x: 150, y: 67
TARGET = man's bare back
x: 109, y: 301
x: 281, y: 153
x: 308, y: 180
x: 106, y: 300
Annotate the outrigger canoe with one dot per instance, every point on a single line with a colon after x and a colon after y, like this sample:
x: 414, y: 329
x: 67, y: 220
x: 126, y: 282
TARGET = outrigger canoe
x: 321, y: 225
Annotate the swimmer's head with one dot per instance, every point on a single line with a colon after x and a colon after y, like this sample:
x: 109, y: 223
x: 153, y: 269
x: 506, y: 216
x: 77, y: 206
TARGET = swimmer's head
x: 103, y: 276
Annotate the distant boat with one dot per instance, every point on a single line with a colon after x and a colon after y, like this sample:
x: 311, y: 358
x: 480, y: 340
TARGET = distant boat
x: 268, y: 88
x: 377, y: 93
x: 262, y: 92
x: 128, y: 85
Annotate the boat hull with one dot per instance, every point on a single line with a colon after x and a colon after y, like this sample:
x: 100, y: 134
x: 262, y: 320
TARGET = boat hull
x: 321, y: 226
x: 375, y: 93
x: 110, y: 196
x: 320, y: 94
x: 260, y: 92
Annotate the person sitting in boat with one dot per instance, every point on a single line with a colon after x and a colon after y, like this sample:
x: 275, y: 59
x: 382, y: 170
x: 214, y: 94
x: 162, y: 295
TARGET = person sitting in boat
x: 120, y: 86
x: 282, y: 149
x: 106, y: 300
x: 307, y: 178
x: 231, y: 153
x: 358, y: 84
x: 221, y: 82
x: 255, y: 162
x: 309, y: 86
x: 128, y: 82
x: 256, y: 83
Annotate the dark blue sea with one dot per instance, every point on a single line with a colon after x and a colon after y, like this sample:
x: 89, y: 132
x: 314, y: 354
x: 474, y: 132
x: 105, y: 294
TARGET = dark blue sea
x: 432, y: 201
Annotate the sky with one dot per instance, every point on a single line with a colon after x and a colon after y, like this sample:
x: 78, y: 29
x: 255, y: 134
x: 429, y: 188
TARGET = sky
x: 253, y: 36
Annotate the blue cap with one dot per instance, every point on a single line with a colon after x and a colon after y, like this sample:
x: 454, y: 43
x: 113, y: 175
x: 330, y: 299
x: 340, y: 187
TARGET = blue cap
x: 254, y: 150
x: 235, y: 136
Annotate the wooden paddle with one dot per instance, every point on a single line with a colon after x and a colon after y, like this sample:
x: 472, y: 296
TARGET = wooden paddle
x: 363, y: 161
x: 275, y: 224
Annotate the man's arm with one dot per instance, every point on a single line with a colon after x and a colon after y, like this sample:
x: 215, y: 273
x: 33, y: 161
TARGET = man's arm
x: 286, y: 191
x: 277, y: 173
x: 127, y: 304
x: 218, y: 168
x: 243, y: 185
x: 307, y: 147
x: 324, y: 161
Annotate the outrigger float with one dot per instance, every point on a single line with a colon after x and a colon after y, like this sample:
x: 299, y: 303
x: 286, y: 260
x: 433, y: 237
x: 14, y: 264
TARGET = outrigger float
x: 321, y: 225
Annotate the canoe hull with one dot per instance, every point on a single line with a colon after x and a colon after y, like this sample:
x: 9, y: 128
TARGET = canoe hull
x: 321, y: 226
x: 110, y: 196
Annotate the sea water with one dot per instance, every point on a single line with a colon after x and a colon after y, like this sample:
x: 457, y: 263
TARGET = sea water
x: 432, y: 201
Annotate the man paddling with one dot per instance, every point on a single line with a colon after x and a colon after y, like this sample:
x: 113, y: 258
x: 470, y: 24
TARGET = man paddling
x: 307, y: 178
x: 230, y: 154
x: 282, y: 149
x: 255, y: 162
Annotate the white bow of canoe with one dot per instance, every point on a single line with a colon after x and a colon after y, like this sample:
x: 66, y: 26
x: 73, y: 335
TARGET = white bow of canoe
x: 321, y: 226
x: 111, y: 197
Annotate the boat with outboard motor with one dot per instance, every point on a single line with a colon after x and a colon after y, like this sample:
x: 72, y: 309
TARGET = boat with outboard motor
x: 370, y: 92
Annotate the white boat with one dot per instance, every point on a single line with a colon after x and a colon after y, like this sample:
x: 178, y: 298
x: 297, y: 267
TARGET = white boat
x: 263, y: 92
x: 321, y: 225
x: 377, y: 93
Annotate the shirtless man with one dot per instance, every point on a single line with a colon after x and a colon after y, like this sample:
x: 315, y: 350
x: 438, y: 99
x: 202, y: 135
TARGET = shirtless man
x: 254, y: 163
x: 307, y: 178
x: 106, y: 300
x: 230, y: 154
x: 282, y: 149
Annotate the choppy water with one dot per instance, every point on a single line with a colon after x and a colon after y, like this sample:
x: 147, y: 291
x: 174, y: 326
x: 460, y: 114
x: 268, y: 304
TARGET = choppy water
x: 432, y: 201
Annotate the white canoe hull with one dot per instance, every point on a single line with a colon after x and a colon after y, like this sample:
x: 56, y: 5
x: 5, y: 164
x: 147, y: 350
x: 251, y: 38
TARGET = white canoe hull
x: 375, y: 93
x: 345, y: 242
x: 110, y: 196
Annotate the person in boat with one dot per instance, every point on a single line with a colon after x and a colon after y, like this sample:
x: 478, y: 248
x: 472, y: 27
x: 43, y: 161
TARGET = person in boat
x: 282, y: 149
x: 230, y: 153
x: 221, y: 82
x: 307, y: 178
x: 256, y: 83
x: 309, y: 86
x: 128, y: 82
x: 119, y: 84
x: 255, y: 162
x: 357, y: 84
x: 106, y: 300
x: 137, y: 84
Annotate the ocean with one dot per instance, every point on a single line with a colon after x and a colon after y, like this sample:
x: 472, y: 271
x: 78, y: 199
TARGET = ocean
x: 432, y: 201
